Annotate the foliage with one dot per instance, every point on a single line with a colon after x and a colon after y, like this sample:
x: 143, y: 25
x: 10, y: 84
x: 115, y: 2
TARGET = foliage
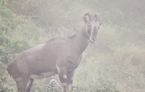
x: 115, y: 63
x: 14, y: 39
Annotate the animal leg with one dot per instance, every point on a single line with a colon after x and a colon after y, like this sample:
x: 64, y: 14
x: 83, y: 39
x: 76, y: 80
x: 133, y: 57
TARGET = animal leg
x: 21, y: 84
x: 63, y: 78
x: 29, y: 84
x: 70, y: 80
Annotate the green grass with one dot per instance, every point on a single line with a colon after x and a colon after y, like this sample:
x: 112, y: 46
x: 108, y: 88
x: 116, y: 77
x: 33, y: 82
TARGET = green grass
x: 115, y: 62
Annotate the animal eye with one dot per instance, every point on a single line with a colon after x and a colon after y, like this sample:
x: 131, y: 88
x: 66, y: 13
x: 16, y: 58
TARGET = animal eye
x: 89, y: 25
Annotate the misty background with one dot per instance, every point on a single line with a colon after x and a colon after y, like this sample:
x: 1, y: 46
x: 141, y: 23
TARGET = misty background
x: 115, y: 63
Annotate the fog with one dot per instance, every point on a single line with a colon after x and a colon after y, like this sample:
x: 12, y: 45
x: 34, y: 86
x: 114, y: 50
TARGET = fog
x: 114, y: 63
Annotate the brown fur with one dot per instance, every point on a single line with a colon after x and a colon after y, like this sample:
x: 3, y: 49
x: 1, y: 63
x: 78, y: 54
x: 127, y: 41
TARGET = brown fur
x: 58, y: 56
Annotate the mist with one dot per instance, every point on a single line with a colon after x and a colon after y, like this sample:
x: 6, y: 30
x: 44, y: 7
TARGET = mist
x: 114, y: 63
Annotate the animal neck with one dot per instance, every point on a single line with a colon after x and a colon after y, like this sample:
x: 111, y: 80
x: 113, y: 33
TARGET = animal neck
x: 80, y: 42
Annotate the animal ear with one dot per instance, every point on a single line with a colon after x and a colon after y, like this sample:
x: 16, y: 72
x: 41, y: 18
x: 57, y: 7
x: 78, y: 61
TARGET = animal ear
x: 85, y: 19
x: 96, y: 17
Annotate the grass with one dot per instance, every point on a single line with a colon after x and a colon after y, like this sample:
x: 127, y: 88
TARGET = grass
x: 115, y: 62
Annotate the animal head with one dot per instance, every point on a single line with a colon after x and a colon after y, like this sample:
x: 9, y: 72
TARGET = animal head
x: 91, y: 26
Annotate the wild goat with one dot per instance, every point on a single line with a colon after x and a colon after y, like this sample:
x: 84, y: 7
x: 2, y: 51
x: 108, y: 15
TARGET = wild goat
x: 58, y: 56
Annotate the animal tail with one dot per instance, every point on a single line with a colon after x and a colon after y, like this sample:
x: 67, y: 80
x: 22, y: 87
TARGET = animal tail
x: 9, y: 68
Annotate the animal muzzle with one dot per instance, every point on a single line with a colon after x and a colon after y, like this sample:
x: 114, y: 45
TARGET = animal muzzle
x: 92, y: 40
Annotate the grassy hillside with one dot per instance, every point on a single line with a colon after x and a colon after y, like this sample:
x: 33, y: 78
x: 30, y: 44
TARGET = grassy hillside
x: 115, y: 63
